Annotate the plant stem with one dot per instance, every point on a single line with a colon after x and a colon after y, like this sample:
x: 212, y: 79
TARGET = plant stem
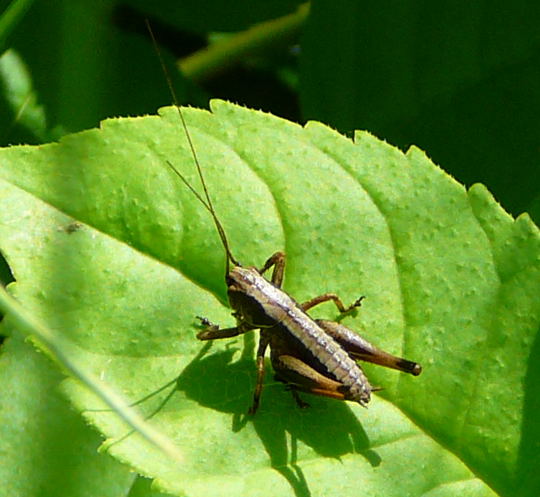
x: 219, y: 57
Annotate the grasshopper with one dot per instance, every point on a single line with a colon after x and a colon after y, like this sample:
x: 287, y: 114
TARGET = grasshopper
x: 309, y: 355
x: 315, y: 356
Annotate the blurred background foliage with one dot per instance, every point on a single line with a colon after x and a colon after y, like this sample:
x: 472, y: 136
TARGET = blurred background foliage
x: 459, y: 79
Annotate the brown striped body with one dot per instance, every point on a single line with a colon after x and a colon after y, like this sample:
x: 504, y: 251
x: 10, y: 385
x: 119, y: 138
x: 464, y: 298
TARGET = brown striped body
x: 261, y: 304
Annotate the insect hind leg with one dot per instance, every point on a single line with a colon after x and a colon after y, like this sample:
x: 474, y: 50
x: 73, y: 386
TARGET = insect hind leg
x: 300, y: 377
x: 361, y: 349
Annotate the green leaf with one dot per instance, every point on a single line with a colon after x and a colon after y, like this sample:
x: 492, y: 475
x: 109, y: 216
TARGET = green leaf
x: 9, y: 18
x: 112, y: 252
x: 46, y: 448
x: 22, y: 101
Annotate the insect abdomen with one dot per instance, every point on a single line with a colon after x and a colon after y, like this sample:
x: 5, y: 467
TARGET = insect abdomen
x: 327, y: 351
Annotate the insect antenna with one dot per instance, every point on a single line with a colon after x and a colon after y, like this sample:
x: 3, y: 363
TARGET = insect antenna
x: 205, y: 200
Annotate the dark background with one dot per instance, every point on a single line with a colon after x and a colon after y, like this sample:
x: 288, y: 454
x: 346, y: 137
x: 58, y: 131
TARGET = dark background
x: 459, y: 79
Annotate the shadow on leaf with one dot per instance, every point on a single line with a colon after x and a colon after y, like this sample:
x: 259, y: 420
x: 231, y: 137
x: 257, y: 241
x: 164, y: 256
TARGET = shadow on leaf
x: 328, y: 427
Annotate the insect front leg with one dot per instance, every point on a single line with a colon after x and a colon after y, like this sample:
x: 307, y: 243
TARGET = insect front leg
x: 325, y: 297
x: 213, y: 332
x: 359, y: 348
x: 278, y: 261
